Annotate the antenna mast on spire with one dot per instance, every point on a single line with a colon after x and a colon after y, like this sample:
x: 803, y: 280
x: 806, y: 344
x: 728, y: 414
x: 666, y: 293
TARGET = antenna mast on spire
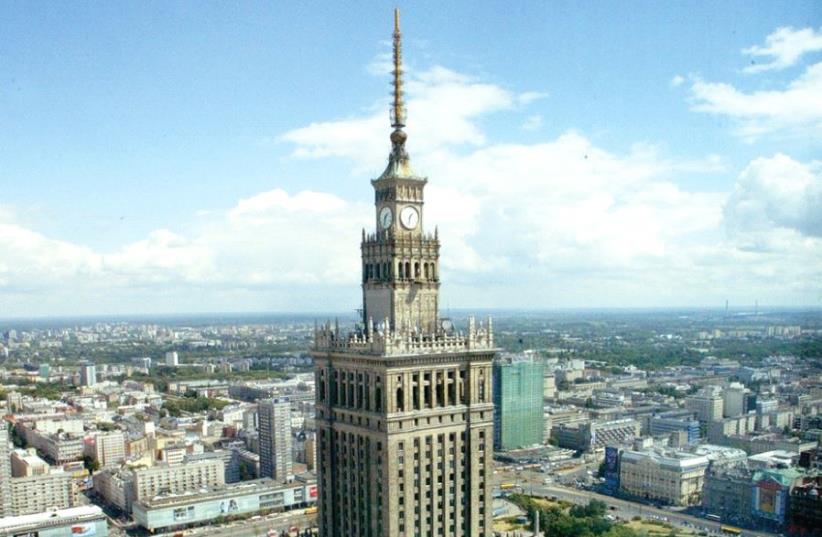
x: 398, y: 137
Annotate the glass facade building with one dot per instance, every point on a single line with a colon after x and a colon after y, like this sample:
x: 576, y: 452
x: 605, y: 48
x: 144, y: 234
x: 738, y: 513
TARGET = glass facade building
x: 518, y: 414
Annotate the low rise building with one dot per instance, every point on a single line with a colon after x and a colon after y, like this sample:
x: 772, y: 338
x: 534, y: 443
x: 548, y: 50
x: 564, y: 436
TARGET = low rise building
x: 734, y: 426
x: 727, y: 493
x: 115, y: 487
x: 771, y: 492
x: 773, y: 459
x: 595, y: 435
x: 26, y: 463
x: 720, y: 455
x: 84, y: 521
x: 671, y: 477
x: 664, y: 426
x: 59, y: 447
x: 200, y: 507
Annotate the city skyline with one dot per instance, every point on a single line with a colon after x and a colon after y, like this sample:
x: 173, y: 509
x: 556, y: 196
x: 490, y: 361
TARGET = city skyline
x: 154, y: 171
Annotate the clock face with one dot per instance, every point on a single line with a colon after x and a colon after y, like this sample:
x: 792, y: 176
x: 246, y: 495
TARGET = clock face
x: 385, y: 217
x: 409, y: 217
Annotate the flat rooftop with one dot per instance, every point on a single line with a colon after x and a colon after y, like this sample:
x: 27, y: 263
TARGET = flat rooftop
x: 57, y: 516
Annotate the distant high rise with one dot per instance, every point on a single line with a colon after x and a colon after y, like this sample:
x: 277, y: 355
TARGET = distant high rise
x: 88, y: 374
x: 707, y: 403
x: 404, y: 401
x: 172, y: 359
x: 5, y: 472
x: 518, y: 402
x: 275, y: 439
x: 734, y: 400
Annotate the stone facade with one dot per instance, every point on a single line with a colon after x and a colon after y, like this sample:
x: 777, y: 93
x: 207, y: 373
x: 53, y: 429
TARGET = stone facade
x: 674, y: 478
x: 404, y: 409
x: 728, y: 493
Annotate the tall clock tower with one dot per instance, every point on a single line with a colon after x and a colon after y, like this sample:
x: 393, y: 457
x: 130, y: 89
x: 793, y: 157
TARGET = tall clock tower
x: 400, y: 262
x: 404, y: 410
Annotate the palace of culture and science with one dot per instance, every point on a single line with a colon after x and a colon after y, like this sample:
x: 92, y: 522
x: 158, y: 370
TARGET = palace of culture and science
x: 404, y: 406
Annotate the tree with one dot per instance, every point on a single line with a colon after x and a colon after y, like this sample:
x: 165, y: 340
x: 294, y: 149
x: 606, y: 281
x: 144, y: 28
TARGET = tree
x: 91, y: 464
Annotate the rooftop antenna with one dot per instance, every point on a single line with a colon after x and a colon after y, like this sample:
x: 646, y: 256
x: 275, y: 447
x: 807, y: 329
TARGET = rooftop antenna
x: 398, y: 111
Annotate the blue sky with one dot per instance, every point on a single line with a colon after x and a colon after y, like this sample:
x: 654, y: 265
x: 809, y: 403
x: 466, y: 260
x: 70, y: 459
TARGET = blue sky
x: 136, y: 137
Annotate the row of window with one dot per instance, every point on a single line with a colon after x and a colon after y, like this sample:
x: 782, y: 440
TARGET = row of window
x: 403, y: 270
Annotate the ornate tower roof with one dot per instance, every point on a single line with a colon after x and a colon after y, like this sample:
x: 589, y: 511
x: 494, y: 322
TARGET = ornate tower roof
x: 399, y: 165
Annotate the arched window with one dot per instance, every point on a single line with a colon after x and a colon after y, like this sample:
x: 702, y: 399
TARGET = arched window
x: 408, y: 269
x: 425, y: 270
x: 400, y: 271
x: 416, y: 270
x: 377, y: 267
x: 400, y: 400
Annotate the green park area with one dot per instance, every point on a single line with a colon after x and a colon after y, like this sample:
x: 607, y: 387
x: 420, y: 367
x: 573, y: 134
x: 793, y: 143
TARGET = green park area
x: 560, y: 519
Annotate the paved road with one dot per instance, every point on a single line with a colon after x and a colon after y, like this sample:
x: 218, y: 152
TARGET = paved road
x: 627, y: 509
x: 256, y: 528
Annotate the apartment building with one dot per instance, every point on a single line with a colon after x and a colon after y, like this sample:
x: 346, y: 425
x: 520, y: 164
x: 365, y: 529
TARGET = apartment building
x: 107, y: 448
x: 40, y: 493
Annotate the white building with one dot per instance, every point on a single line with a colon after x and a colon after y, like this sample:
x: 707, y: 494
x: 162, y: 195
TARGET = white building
x: 107, y: 448
x: 26, y: 463
x: 672, y: 477
x: 275, y: 439
x: 172, y: 360
x: 39, y: 493
x: 85, y: 520
x: 734, y: 400
x: 707, y: 403
x: 123, y: 488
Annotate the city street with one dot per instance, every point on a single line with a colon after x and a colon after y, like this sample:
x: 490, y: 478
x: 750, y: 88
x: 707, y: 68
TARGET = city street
x: 626, y: 510
x: 258, y: 528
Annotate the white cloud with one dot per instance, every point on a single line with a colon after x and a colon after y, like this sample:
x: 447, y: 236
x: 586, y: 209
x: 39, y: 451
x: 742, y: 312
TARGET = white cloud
x: 783, y: 48
x: 561, y: 222
x: 776, y: 193
x: 677, y: 81
x: 529, y: 97
x: 443, y: 106
x: 272, y: 238
x: 794, y: 111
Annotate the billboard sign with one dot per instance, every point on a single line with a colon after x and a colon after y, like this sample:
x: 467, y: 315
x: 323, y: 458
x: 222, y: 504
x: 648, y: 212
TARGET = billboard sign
x: 611, y: 474
x: 769, y: 500
x: 83, y: 530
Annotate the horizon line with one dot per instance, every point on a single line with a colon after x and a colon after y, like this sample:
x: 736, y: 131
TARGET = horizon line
x: 758, y: 309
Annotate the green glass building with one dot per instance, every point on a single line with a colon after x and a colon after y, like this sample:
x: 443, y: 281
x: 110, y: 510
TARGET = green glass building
x: 518, y: 388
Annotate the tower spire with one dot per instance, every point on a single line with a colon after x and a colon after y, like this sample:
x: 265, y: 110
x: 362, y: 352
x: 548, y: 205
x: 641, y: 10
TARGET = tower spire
x: 398, y: 137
